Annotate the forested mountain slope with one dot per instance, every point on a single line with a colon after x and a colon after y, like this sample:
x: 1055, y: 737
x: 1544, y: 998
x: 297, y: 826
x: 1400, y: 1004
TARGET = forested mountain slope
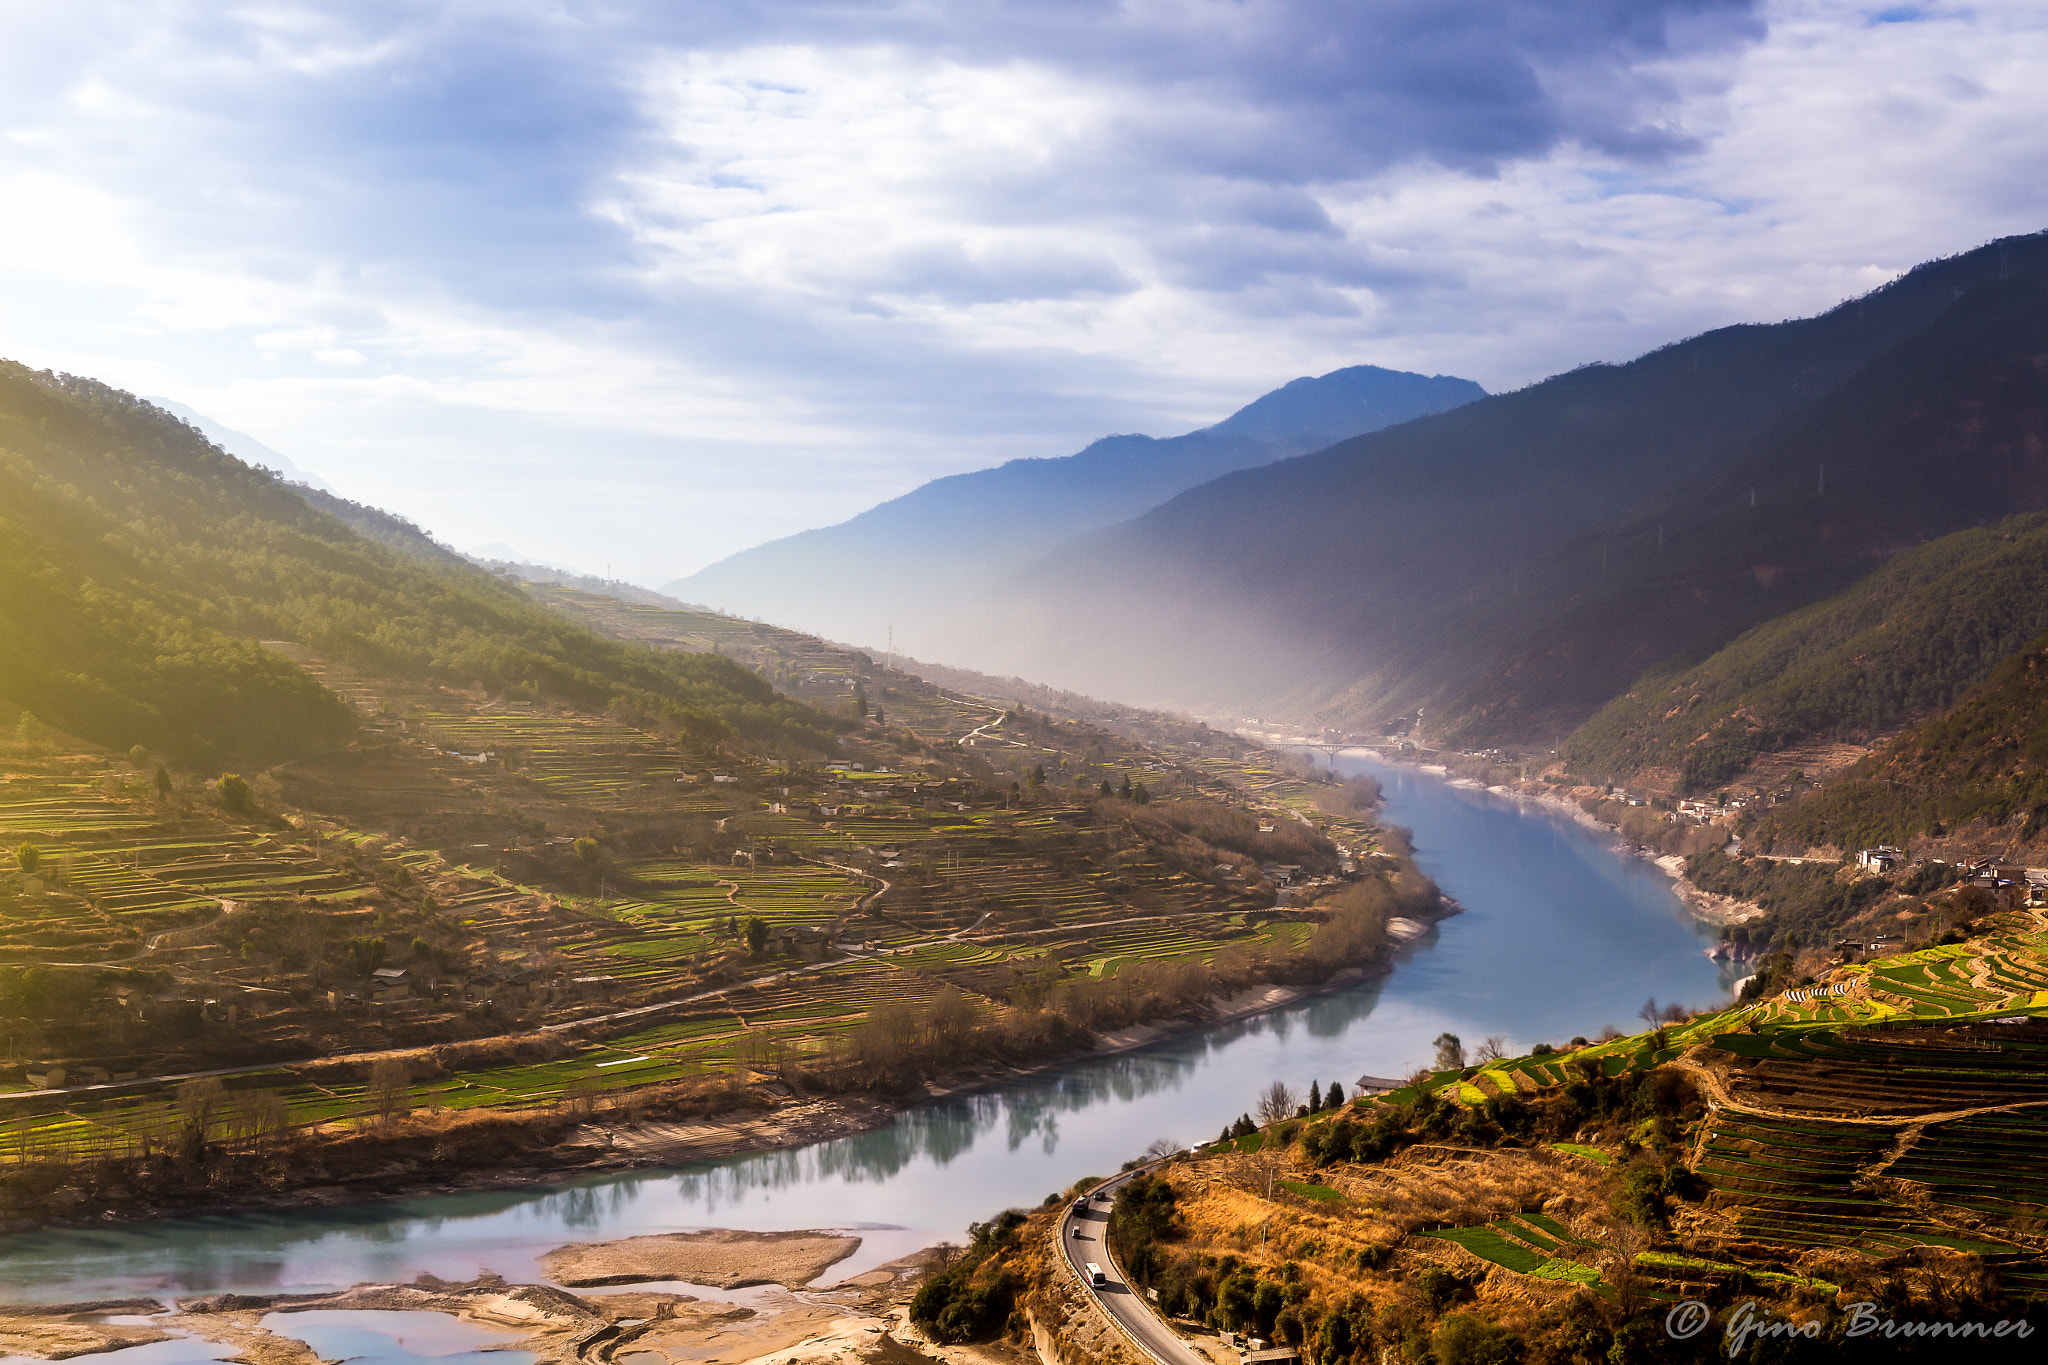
x: 140, y: 567
x: 1495, y: 544
x: 1901, y: 644
x: 1943, y: 432
x: 911, y: 562
x: 1979, y: 772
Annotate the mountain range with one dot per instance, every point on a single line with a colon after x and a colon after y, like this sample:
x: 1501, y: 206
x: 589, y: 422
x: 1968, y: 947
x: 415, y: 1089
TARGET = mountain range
x: 905, y: 567
x: 1509, y: 566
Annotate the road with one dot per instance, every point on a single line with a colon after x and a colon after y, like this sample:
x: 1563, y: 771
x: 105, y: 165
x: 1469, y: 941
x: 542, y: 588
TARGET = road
x: 1127, y: 1307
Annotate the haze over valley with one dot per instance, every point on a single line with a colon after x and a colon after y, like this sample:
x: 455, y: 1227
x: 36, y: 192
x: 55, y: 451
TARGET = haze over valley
x: 616, y: 745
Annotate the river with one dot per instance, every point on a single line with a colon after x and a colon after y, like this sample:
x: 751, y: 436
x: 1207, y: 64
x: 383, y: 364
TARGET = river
x: 1562, y: 933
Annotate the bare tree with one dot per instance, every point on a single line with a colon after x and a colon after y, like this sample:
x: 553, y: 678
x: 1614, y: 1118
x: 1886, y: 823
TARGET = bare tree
x: 199, y: 1106
x: 1651, y: 1012
x: 389, y: 1093
x: 1450, y: 1052
x: 1161, y: 1148
x: 948, y: 1016
x: 1276, y: 1102
x: 1675, y: 1013
x: 1621, y: 1269
x: 269, y: 1117
x: 1492, y: 1050
x: 1608, y: 1033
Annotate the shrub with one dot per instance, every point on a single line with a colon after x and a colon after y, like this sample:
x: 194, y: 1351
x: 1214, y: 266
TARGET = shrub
x: 1464, y: 1340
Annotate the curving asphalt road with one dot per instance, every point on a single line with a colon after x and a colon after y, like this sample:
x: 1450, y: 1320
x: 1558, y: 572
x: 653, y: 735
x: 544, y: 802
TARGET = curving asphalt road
x: 1127, y: 1307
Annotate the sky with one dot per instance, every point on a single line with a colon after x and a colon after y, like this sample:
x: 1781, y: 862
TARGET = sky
x: 631, y: 286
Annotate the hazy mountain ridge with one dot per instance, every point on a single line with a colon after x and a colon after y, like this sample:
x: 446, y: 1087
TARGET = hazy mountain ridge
x: 909, y: 563
x: 1942, y: 432
x: 239, y: 444
x: 1397, y: 568
x: 374, y: 523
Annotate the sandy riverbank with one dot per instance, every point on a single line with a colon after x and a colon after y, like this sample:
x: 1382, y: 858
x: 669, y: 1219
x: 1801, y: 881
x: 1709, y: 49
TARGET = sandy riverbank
x: 723, y: 1258
x: 1721, y: 910
x: 861, y: 1319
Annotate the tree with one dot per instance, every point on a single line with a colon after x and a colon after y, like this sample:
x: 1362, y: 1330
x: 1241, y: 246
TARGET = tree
x: 1106, y: 790
x: 264, y: 1115
x: 1651, y: 1013
x: 199, y: 1102
x: 1315, y: 1096
x: 163, y: 780
x: 1276, y: 1102
x: 138, y: 757
x: 27, y: 858
x: 28, y: 735
x: 389, y: 1092
x: 1461, y: 1339
x: 1333, y: 1098
x: 1493, y: 1049
x: 586, y: 851
x: 1161, y: 1148
x: 1140, y: 795
x: 860, y: 701
x: 948, y: 1018
x: 1450, y: 1052
x: 1038, y: 774
x: 1125, y: 790
x: 366, y: 954
x: 1675, y: 1013
x: 234, y: 791
x: 757, y: 935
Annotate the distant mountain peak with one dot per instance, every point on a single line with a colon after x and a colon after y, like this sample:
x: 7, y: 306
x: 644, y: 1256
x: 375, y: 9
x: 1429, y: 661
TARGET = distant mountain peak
x: 1309, y: 413
x: 239, y: 444
x: 906, y: 565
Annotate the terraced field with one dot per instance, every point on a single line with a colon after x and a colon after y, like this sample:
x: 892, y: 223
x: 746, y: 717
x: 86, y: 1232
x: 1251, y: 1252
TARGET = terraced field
x: 114, y: 868
x: 1989, y: 1164
x: 1916, y: 1123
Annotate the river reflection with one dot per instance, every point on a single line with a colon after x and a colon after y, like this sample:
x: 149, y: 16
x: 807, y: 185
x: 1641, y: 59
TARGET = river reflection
x: 1561, y: 935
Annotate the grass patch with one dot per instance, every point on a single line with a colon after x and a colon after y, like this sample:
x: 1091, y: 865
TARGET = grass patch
x: 1320, y: 1193
x: 1488, y: 1243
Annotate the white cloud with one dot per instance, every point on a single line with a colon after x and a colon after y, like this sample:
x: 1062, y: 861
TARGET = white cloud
x: 650, y: 285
